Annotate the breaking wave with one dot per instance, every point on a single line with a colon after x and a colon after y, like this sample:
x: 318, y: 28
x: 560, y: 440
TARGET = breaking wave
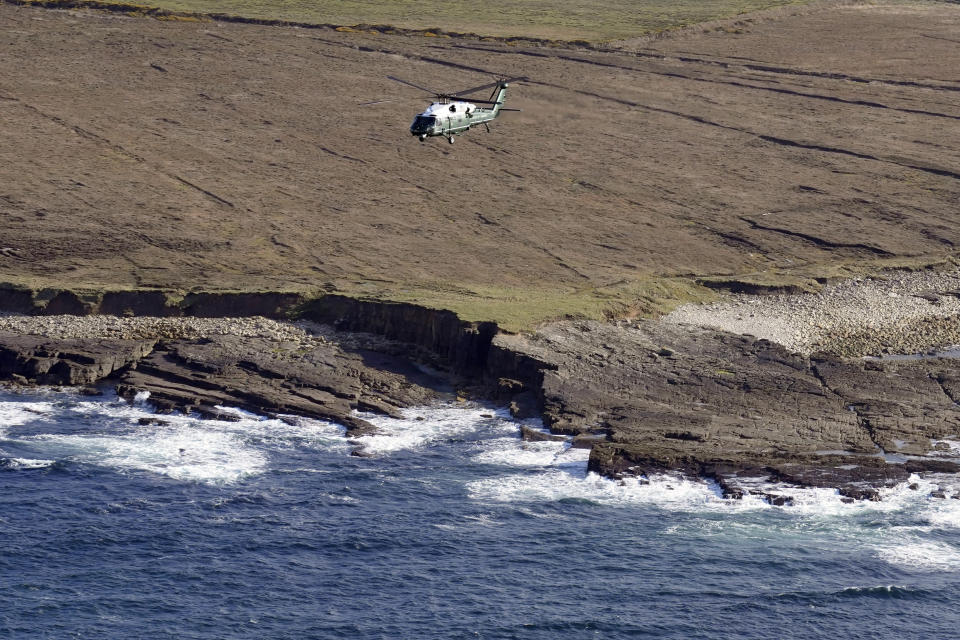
x: 130, y: 437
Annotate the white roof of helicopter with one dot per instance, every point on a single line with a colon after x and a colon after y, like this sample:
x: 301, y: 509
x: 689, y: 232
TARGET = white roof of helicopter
x: 443, y: 108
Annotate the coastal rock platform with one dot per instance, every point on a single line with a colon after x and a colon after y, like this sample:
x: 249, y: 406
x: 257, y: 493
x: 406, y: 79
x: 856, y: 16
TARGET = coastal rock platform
x: 662, y: 398
x: 201, y: 365
x: 645, y: 396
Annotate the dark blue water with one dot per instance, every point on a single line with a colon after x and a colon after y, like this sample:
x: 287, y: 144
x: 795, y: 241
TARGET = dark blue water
x: 455, y: 529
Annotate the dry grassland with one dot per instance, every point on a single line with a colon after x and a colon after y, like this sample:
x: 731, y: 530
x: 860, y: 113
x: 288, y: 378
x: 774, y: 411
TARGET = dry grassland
x: 179, y: 155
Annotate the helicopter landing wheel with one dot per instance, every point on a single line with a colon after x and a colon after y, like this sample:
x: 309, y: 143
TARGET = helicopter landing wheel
x: 450, y: 139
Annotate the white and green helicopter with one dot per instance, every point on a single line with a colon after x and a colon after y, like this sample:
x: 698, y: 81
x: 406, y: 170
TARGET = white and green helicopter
x: 452, y: 114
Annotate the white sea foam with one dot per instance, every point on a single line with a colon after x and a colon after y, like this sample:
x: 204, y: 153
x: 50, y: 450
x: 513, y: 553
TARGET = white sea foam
x: 943, y: 513
x: 423, y: 427
x: 830, y: 503
x: 950, y: 448
x: 920, y: 555
x: 511, y: 451
x: 559, y: 472
x: 574, y: 483
x: 178, y: 446
x: 562, y: 479
x: 15, y: 414
x: 28, y: 463
x: 181, y: 451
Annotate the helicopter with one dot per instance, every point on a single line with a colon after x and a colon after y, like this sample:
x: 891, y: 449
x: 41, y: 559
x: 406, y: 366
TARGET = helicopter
x: 452, y: 114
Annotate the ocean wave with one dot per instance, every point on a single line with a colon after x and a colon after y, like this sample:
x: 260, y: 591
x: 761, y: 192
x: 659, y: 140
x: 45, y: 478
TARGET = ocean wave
x: 25, y: 463
x: 420, y: 427
x: 16, y: 414
x: 181, y: 452
x: 879, y: 592
x: 920, y: 555
x: 129, y: 437
x: 883, y: 592
x: 574, y: 483
x: 513, y: 452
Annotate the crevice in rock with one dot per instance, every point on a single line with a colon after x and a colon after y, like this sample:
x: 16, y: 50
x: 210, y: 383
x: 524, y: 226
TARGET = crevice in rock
x: 862, y: 421
x: 205, y: 192
x: 938, y: 378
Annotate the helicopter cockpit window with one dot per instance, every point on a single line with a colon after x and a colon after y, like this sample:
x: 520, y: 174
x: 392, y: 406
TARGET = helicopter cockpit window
x: 422, y: 123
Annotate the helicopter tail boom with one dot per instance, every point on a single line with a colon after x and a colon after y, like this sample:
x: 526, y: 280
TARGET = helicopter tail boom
x: 499, y: 97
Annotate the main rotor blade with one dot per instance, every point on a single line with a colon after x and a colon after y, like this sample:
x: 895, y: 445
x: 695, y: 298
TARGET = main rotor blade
x: 480, y: 88
x: 415, y: 86
x: 490, y: 85
x: 472, y: 100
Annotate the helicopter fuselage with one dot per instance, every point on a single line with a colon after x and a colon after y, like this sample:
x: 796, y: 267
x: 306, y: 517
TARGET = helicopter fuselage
x: 451, y: 117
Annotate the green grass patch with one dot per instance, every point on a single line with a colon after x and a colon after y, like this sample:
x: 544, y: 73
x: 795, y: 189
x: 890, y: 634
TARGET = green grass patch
x: 523, y: 309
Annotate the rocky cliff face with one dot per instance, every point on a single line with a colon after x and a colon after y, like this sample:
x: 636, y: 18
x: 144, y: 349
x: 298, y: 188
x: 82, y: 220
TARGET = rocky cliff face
x: 154, y: 303
x: 462, y: 346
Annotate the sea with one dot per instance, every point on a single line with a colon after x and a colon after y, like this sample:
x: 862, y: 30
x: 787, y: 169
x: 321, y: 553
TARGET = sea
x: 116, y: 522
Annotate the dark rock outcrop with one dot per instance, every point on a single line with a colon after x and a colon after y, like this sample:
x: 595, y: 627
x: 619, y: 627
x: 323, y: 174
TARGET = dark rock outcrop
x: 137, y: 303
x: 318, y: 381
x: 312, y: 378
x: 40, y: 360
x: 711, y: 404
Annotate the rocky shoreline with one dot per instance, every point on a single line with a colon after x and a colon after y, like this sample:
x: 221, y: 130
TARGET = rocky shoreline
x: 198, y: 364
x: 752, y: 388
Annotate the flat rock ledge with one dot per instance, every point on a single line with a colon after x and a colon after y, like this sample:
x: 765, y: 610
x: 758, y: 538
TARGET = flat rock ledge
x: 199, y: 364
x: 660, y: 397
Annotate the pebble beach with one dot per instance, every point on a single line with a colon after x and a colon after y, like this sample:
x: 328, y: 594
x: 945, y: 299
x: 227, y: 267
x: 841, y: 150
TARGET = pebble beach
x: 904, y: 312
x: 66, y: 327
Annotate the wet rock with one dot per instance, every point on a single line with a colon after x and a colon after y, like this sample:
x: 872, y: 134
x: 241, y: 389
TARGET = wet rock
x: 90, y: 391
x: 586, y: 441
x: 778, y: 500
x: 523, y: 406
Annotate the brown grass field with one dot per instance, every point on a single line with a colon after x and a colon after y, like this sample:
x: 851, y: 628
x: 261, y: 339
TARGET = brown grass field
x: 535, y: 19
x: 773, y: 148
x: 550, y: 19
